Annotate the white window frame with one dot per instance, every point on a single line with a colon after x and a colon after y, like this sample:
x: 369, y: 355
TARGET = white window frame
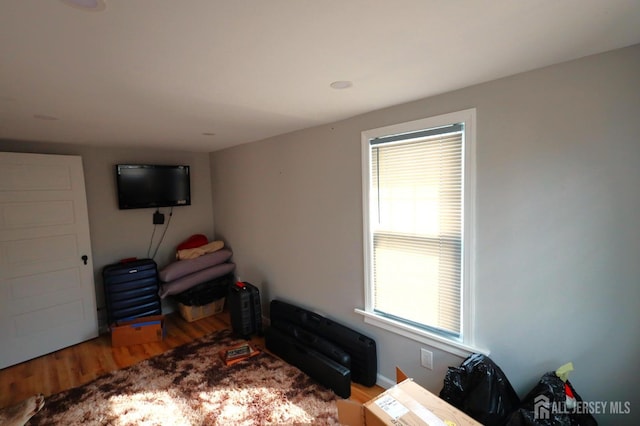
x: 466, y: 343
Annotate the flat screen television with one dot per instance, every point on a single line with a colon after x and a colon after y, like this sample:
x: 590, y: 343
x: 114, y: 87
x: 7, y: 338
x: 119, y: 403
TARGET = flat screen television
x: 148, y: 185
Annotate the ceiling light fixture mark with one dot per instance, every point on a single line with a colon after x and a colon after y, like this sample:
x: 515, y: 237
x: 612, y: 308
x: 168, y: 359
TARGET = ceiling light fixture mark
x: 86, y: 5
x: 45, y: 117
x: 341, y: 84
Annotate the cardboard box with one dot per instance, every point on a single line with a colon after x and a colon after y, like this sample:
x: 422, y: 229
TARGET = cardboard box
x: 136, y: 331
x: 193, y: 313
x: 407, y: 403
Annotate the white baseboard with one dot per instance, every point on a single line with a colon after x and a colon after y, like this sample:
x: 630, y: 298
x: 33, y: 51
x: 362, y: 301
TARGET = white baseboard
x: 385, y: 382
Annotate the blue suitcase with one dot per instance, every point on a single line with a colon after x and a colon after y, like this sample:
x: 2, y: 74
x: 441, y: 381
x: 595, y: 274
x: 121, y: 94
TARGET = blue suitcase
x: 131, y: 290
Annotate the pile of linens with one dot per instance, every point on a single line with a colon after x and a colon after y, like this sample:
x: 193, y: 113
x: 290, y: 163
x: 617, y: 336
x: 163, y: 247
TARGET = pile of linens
x: 200, y: 264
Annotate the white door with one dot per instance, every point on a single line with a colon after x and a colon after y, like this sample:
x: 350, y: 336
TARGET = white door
x: 47, y: 294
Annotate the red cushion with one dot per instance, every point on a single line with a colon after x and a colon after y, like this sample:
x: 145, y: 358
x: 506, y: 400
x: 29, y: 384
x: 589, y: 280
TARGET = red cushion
x: 193, y: 241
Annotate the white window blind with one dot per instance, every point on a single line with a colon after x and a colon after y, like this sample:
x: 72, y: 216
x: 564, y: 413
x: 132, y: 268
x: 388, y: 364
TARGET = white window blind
x: 416, y: 205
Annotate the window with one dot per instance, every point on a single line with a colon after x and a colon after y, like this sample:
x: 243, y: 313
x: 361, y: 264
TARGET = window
x: 418, y: 206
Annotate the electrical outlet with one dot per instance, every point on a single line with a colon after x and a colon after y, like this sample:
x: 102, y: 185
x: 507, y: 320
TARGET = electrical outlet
x: 426, y: 359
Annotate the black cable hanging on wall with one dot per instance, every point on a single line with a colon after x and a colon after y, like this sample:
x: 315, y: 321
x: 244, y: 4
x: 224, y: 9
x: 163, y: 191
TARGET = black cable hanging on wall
x: 164, y: 232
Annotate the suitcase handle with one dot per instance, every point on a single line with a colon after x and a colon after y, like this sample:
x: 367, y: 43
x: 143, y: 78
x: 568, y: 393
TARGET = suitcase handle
x: 304, y: 337
x: 314, y: 319
x: 308, y: 318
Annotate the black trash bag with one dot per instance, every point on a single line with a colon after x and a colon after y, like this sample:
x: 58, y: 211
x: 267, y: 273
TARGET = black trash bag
x: 480, y: 388
x: 546, y: 405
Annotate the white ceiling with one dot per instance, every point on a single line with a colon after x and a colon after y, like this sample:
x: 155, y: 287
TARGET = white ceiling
x: 164, y: 73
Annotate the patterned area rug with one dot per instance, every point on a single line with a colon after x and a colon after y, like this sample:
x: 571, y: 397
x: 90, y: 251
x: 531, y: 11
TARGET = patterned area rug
x: 190, y: 385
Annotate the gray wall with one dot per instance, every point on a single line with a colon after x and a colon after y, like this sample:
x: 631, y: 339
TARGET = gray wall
x: 558, y: 240
x: 118, y: 234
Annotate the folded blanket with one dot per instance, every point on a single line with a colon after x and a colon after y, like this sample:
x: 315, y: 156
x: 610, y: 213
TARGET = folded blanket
x: 195, y: 252
x: 196, y: 240
x: 191, y: 280
x: 183, y: 268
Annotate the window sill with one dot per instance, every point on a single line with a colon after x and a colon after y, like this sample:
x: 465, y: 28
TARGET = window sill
x: 422, y: 336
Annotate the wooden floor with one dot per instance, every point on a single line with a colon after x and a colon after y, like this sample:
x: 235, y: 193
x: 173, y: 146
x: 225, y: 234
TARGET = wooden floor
x: 79, y: 364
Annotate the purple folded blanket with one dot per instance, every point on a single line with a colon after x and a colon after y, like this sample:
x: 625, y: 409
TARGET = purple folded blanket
x: 188, y: 281
x: 182, y: 268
